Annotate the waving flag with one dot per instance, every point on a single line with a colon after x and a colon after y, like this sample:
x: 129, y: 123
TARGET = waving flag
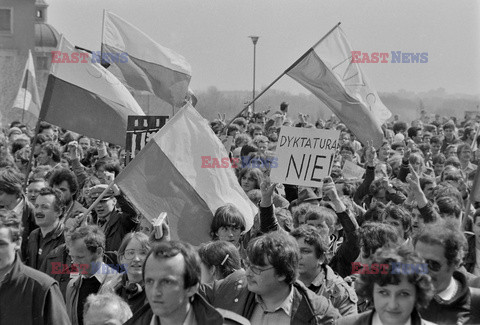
x: 150, y: 66
x: 27, y: 102
x: 86, y: 98
x: 167, y: 176
x: 328, y: 72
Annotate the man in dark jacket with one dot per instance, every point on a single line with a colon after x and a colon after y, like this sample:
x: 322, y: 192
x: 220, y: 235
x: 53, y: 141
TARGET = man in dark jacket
x: 13, y: 199
x: 268, y: 292
x: 65, y: 180
x: 49, y: 208
x: 171, y: 274
x: 442, y: 246
x: 114, y: 223
x: 27, y: 296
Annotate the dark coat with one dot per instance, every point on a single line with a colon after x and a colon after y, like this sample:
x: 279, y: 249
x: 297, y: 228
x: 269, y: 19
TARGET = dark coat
x: 232, y: 294
x: 455, y: 311
x: 28, y: 296
x: 59, y: 256
x: 28, y: 223
x: 119, y: 224
x: 36, y: 255
x: 204, y: 313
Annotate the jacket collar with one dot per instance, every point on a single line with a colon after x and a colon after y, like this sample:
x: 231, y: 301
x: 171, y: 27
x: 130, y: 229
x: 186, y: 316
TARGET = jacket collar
x: 15, y: 272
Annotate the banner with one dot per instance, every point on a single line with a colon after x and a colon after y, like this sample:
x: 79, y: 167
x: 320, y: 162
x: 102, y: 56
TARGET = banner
x: 140, y: 129
x: 305, y: 156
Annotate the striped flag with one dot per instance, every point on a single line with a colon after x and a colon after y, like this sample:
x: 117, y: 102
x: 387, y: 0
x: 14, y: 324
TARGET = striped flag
x: 167, y: 176
x: 27, y: 100
x: 86, y: 98
x: 328, y: 72
x: 150, y: 66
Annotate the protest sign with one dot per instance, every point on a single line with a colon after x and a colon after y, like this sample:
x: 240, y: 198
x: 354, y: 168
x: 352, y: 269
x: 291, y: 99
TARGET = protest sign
x: 305, y: 156
x: 139, y: 131
x: 352, y: 171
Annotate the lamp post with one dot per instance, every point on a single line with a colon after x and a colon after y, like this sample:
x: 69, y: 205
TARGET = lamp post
x: 254, y: 40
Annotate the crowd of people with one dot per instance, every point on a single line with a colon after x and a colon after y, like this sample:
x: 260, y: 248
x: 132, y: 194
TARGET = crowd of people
x: 395, y: 246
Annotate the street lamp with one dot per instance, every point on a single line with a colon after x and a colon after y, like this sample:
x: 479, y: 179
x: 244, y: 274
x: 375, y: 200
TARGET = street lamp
x: 254, y: 40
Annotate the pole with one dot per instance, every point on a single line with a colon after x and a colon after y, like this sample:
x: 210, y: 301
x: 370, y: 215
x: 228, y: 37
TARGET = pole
x: 103, y: 31
x: 254, y: 40
x: 25, y: 96
x: 30, y: 160
x: 280, y: 76
x: 471, y: 197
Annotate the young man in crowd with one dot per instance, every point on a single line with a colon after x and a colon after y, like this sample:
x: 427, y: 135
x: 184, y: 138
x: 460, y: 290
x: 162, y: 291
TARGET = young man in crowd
x: 317, y: 275
x: 86, y: 247
x: 269, y: 291
x: 49, y: 209
x: 27, y: 296
x: 442, y: 246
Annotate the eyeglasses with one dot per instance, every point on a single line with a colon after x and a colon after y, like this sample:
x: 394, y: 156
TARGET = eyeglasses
x: 433, y: 265
x: 129, y: 254
x: 255, y: 269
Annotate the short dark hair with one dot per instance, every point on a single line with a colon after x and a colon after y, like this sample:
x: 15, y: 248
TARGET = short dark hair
x: 435, y: 139
x: 397, y: 212
x: 226, y: 215
x: 52, y: 149
x: 9, y: 220
x: 59, y: 203
x: 280, y: 250
x: 448, y: 205
x: 44, y: 126
x: 11, y: 181
x: 312, y: 237
x: 93, y: 236
x: 413, y: 131
x: 438, y: 159
x: 399, y: 126
x: 64, y: 174
x: 422, y: 281
x: 169, y: 249
x: 445, y: 232
x: 221, y: 254
x: 375, y: 235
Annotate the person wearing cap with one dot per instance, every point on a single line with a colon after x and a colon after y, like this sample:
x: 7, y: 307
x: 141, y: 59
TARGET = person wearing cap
x: 115, y: 223
x: 13, y: 134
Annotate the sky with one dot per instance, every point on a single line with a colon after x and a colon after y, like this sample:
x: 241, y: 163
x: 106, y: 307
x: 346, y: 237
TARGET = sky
x: 212, y: 35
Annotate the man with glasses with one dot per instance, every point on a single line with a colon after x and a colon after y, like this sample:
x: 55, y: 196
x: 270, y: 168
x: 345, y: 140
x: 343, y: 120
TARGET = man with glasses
x: 269, y: 292
x: 442, y: 246
x: 86, y: 247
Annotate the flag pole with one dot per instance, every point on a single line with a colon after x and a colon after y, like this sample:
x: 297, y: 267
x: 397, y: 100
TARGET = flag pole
x: 471, y: 197
x: 103, y: 31
x: 43, y: 111
x: 25, y: 97
x: 280, y: 76
x: 32, y: 149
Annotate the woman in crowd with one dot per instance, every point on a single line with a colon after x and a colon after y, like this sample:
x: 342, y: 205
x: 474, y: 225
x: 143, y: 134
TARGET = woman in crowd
x: 129, y: 285
x: 250, y: 179
x: 219, y: 259
x: 396, y: 294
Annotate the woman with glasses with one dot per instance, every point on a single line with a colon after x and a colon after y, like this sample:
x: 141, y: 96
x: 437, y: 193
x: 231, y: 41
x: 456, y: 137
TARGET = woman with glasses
x: 400, y: 287
x: 132, y: 253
